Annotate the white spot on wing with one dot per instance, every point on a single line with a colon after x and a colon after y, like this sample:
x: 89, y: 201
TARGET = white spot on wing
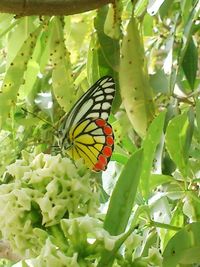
x: 99, y: 98
x: 109, y: 90
x: 109, y: 97
x: 105, y: 105
x: 98, y: 131
x: 98, y: 93
x: 93, y: 115
x: 104, y: 115
x: 86, y: 106
x: 103, y: 82
x: 100, y: 139
x: 107, y: 84
x: 97, y: 106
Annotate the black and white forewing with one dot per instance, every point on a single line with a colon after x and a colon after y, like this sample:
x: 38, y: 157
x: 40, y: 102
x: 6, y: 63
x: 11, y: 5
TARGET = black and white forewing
x: 95, y: 103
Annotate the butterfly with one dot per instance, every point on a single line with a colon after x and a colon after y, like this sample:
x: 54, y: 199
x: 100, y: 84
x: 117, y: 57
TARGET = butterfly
x: 85, y: 132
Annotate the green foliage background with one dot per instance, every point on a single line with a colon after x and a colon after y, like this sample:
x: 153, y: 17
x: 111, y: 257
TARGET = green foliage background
x: 146, y: 207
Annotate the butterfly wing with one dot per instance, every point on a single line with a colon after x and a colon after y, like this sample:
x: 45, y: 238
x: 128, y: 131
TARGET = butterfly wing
x: 95, y: 103
x: 84, y: 128
x: 93, y: 140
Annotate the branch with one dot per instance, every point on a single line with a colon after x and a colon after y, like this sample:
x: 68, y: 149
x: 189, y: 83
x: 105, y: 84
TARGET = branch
x: 50, y: 7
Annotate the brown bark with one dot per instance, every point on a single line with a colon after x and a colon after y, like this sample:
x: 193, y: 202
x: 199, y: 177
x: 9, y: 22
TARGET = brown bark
x: 49, y: 7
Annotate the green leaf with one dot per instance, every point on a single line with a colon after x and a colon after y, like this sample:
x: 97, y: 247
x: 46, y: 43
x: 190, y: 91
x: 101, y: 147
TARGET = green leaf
x: 183, y: 247
x: 148, y: 25
x: 14, y: 75
x: 134, y: 82
x: 149, y: 240
x: 149, y: 145
x: 30, y: 78
x: 127, y: 144
x: 140, y: 7
x: 198, y: 117
x: 61, y: 76
x: 123, y: 196
x: 120, y: 158
x: 6, y: 24
x: 36, y: 64
x: 191, y: 207
x: 177, y: 220
x: 108, y: 54
x: 178, y: 139
x: 160, y: 82
x: 165, y: 8
x: 186, y: 6
x: 188, y: 29
x: 17, y: 37
x: 92, y: 61
x: 159, y: 179
x: 190, y: 63
x: 77, y: 31
x: 189, y: 134
x: 109, y: 47
x: 112, y: 25
x: 44, y: 49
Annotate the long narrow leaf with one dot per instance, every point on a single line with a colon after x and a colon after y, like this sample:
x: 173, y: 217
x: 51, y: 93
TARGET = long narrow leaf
x: 123, y: 196
x: 150, y: 144
x: 108, y: 53
x: 61, y: 75
x: 178, y: 139
x: 15, y: 75
x: 190, y: 63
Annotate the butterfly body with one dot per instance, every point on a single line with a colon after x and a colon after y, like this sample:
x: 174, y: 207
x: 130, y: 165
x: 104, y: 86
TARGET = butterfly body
x: 85, y: 132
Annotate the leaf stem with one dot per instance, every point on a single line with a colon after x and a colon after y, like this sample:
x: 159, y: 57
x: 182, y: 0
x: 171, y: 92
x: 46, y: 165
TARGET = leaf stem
x: 164, y: 225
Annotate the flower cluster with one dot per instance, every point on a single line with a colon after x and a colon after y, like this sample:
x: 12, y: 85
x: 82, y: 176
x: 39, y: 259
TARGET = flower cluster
x: 42, y: 190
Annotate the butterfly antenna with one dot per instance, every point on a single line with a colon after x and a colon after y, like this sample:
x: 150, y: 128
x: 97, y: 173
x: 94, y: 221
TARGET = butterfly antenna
x: 25, y: 110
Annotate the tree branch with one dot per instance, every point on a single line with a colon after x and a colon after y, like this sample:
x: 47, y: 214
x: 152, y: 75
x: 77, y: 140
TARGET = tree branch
x: 49, y: 7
